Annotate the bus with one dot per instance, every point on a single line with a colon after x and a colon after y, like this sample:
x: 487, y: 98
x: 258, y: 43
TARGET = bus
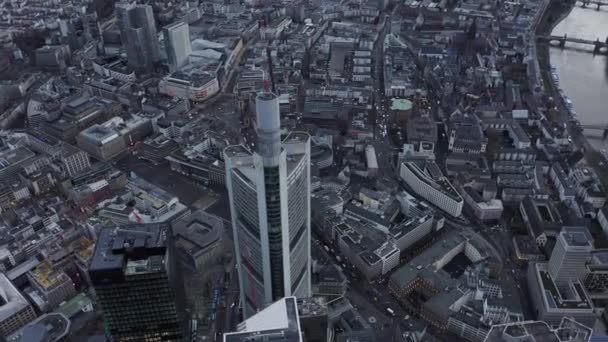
x: 390, y: 311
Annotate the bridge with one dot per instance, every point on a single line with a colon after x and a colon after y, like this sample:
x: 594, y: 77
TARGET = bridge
x: 598, y: 45
x: 598, y: 3
x: 599, y: 127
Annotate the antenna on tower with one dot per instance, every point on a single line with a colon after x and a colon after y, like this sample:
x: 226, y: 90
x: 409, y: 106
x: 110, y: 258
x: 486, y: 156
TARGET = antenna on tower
x: 269, y: 57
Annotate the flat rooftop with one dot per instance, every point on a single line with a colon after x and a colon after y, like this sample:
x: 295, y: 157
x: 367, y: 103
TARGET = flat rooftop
x: 539, y: 331
x: 194, y: 79
x: 553, y: 297
x: 116, y: 245
x: 577, y: 236
x: 11, y: 300
x: 48, y: 327
x: 423, y: 264
x: 47, y: 277
x: 201, y: 231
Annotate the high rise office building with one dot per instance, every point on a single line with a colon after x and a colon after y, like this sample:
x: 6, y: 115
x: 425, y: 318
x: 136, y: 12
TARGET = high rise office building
x: 572, y: 249
x: 177, y: 44
x: 270, y: 205
x: 92, y: 29
x: 138, y: 35
x: 133, y: 276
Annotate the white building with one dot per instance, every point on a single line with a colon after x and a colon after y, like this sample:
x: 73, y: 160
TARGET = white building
x: 76, y: 162
x: 196, y: 87
x: 269, y: 193
x: 15, y: 311
x: 555, y: 287
x: 571, y: 251
x: 177, y: 44
x: 437, y: 190
x: 279, y: 321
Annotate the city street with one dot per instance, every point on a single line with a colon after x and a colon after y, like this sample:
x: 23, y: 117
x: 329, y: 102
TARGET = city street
x: 371, y: 299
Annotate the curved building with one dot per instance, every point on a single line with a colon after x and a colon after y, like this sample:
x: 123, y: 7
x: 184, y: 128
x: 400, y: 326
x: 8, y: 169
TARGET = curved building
x: 196, y: 87
x: 431, y: 185
x: 270, y: 207
x: 321, y: 154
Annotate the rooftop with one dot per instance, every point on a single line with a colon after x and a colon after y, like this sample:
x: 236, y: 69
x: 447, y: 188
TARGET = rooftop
x: 553, y: 297
x: 198, y: 233
x: 401, y: 104
x: 277, y: 322
x: 11, y: 300
x: 440, y: 184
x: 577, y: 237
x: 568, y: 331
x: 194, y: 79
x: 48, y: 327
x: 47, y: 277
x: 117, y: 245
x: 426, y: 260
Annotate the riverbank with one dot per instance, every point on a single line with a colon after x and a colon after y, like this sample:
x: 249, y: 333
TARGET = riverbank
x: 559, y: 10
x: 593, y: 157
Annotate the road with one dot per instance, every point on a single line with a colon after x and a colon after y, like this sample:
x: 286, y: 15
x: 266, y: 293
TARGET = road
x: 381, y: 118
x: 232, y: 302
x: 371, y: 299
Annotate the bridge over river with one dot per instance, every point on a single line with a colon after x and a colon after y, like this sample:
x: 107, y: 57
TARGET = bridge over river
x: 599, y: 47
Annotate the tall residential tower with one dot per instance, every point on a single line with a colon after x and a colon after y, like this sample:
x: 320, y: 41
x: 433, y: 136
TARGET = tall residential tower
x: 270, y: 205
x: 138, y: 35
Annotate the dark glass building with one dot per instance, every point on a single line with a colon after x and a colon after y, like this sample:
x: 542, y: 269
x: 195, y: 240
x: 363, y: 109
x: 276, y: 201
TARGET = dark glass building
x: 133, y: 276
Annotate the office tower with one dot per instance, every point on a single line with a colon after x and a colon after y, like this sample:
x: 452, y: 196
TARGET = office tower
x: 177, y: 44
x: 134, y: 280
x: 92, y: 29
x: 278, y: 322
x: 571, y: 251
x: 138, y: 35
x: 314, y: 320
x: 270, y: 204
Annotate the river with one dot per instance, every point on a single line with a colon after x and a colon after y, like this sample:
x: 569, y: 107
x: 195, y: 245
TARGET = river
x: 582, y: 75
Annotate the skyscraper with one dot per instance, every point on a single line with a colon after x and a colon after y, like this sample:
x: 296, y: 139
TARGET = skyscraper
x: 138, y: 35
x: 270, y: 205
x: 134, y: 280
x: 177, y: 44
x: 572, y: 249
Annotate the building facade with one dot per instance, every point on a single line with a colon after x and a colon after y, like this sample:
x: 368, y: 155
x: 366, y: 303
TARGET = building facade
x: 177, y: 44
x: 15, y: 310
x: 138, y: 35
x: 437, y: 190
x: 75, y: 163
x: 132, y: 273
x: 571, y: 251
x: 194, y: 87
x: 270, y: 205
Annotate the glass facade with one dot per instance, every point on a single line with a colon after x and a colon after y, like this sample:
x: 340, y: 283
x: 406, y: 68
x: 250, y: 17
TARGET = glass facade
x: 275, y: 237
